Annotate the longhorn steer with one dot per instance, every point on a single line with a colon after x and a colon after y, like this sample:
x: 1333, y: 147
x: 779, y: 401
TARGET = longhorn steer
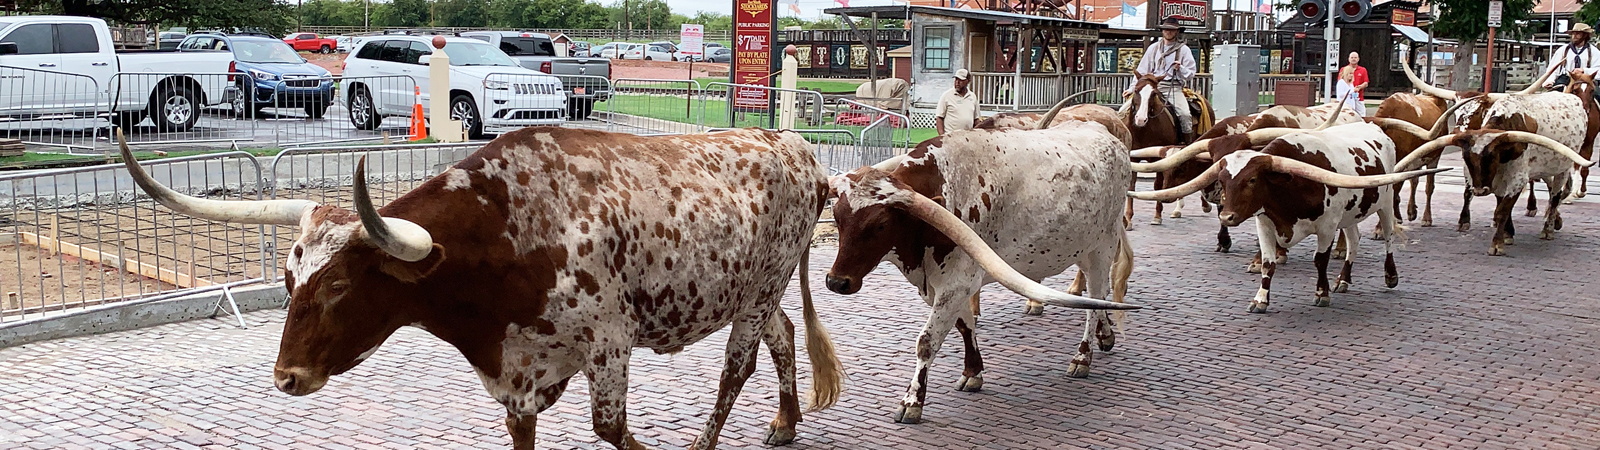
x: 1423, y: 111
x: 1039, y: 200
x: 1318, y: 182
x: 555, y: 251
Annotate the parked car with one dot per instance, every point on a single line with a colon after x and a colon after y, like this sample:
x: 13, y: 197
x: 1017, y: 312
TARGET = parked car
x: 276, y: 76
x: 648, y: 52
x: 613, y: 50
x: 719, y: 55
x: 587, y: 80
x: 670, y: 48
x: 580, y: 49
x: 310, y: 42
x: 70, y: 52
x: 343, y: 43
x: 517, y: 97
x: 169, y: 40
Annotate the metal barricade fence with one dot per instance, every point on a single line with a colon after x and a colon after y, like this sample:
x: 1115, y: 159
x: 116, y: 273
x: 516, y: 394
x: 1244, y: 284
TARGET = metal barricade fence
x: 80, y: 237
x: 324, y: 175
x: 644, y: 106
x: 886, y: 132
x: 56, y: 110
x: 184, y: 111
x: 759, y: 109
x: 1107, y: 87
x: 584, y: 92
x: 299, y: 111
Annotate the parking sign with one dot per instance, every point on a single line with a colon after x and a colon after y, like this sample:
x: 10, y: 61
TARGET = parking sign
x: 691, y: 39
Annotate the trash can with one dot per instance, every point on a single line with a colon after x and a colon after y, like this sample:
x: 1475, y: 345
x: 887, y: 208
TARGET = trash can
x: 1498, y: 81
x: 1296, y: 93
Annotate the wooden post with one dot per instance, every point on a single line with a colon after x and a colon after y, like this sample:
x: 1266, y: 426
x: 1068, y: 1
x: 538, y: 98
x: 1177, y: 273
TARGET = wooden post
x: 1488, y: 62
x: 12, y: 301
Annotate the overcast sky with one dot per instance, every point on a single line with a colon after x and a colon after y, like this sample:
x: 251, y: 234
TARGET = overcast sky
x: 812, y: 9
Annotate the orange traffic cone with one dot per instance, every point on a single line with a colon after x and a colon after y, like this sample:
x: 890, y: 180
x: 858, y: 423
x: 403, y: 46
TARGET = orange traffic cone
x: 419, y: 127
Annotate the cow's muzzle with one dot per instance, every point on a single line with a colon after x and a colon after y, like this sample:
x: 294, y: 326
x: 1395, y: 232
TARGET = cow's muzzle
x: 1480, y: 191
x: 843, y: 285
x: 1230, y: 219
x: 297, y: 381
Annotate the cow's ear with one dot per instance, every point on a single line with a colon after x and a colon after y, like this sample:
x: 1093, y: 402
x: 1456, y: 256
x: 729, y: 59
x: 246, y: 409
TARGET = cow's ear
x: 411, y: 272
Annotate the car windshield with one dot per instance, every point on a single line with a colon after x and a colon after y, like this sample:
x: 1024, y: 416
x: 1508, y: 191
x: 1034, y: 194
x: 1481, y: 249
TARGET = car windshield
x: 264, y: 52
x: 476, y: 54
x: 521, y: 46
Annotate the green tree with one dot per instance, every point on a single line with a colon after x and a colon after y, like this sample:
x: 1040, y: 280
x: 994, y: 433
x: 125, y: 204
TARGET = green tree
x: 1465, y: 21
x: 401, y: 13
x: 1588, y: 13
x: 508, y: 13
x: 267, y: 15
x: 331, y: 12
x: 460, y: 13
x: 714, y: 21
x: 643, y: 15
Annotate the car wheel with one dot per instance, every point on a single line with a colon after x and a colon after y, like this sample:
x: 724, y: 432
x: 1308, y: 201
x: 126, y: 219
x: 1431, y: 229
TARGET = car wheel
x: 240, y: 105
x: 462, y: 108
x: 326, y: 49
x: 174, y: 108
x: 127, y: 119
x: 317, y: 110
x: 363, y: 114
x: 647, y: 58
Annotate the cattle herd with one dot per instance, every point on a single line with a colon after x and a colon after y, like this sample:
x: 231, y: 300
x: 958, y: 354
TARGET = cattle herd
x: 553, y: 251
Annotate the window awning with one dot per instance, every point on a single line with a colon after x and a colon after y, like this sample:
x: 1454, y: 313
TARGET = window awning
x: 1416, y: 34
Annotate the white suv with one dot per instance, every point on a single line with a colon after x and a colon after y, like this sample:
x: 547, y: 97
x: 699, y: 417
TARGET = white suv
x: 489, y: 92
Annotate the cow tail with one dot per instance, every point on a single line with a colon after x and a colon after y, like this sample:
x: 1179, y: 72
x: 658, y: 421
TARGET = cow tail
x: 827, y: 375
x: 1121, y: 269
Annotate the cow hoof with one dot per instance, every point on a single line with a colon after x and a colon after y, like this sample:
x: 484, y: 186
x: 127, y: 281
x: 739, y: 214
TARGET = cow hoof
x: 1076, y: 370
x: 1510, y: 241
x: 1531, y: 213
x: 1497, y: 251
x: 1568, y: 200
x: 1258, y: 308
x: 1253, y: 268
x: 779, y: 436
x: 1034, y: 310
x: 1205, y: 207
x: 970, y: 384
x: 1341, y: 287
x: 1376, y: 235
x: 1156, y: 221
x: 1177, y: 214
x: 1463, y: 227
x: 1427, y: 223
x: 1107, y: 343
x: 1322, y: 301
x: 1580, y: 194
x: 1391, y: 281
x: 1221, y: 248
x: 1547, y: 234
x: 908, y: 414
x: 1557, y: 224
x: 1128, y: 226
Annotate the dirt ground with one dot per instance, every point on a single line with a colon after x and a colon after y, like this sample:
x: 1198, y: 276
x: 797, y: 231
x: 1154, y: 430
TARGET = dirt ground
x: 45, y: 282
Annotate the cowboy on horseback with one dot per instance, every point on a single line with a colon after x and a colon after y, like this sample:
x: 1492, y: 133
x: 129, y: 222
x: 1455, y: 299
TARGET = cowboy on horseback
x: 1579, y: 54
x: 1172, y: 60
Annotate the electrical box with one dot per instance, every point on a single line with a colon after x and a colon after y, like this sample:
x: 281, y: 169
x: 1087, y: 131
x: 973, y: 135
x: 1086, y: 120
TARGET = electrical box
x: 1236, y: 80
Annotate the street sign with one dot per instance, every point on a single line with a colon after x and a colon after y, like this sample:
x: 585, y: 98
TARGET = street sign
x: 1494, y: 13
x: 691, y: 40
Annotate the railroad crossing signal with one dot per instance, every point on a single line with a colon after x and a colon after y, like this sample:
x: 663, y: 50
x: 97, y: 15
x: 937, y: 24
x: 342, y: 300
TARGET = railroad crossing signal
x: 1345, y: 11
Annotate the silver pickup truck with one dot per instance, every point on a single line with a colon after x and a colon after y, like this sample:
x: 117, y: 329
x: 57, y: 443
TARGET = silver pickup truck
x: 587, y: 80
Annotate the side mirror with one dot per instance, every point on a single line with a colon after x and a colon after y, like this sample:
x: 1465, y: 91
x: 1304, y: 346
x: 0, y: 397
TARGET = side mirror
x: 423, y: 60
x: 8, y: 48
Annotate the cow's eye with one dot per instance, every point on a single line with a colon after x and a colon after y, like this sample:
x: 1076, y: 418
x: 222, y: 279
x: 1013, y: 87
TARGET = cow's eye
x: 338, y: 288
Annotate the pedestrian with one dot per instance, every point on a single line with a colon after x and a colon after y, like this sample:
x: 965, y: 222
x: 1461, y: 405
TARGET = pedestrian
x: 1359, y: 74
x: 1171, y: 59
x: 958, y: 107
x: 1349, y: 92
x: 1577, y: 54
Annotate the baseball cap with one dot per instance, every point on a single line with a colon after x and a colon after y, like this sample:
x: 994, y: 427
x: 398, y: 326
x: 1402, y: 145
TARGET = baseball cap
x: 961, y: 74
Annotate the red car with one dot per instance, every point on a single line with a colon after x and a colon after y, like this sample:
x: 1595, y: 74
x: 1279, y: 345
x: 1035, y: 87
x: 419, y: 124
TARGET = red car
x: 310, y: 42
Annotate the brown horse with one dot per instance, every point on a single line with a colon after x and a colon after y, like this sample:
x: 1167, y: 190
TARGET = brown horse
x: 1582, y: 85
x: 1153, y: 125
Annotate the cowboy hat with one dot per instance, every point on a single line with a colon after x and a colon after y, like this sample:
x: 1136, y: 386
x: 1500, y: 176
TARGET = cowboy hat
x: 1581, y: 28
x: 1170, y: 23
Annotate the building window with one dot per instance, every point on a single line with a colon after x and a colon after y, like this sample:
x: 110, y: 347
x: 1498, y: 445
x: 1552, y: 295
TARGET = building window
x: 936, y: 48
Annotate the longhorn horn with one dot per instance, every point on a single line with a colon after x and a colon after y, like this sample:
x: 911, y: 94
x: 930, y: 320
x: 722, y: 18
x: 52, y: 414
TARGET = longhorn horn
x: 1335, y: 179
x: 1183, y: 190
x: 888, y: 165
x: 958, y: 231
x: 399, y: 238
x: 1425, y: 87
x: 263, y: 212
x: 1265, y: 135
x: 1148, y: 152
x: 1044, y: 122
x: 1401, y: 125
x: 1337, y: 110
x: 1173, y: 159
x: 1416, y: 157
x: 1443, y: 124
x: 1563, y: 149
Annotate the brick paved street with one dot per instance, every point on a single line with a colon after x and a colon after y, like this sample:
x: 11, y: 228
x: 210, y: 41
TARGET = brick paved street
x: 1470, y: 351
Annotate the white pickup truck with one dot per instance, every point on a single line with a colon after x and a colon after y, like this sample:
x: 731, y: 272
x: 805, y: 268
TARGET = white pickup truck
x: 60, y: 67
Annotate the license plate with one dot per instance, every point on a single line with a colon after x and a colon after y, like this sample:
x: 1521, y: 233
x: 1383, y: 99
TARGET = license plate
x: 579, y: 91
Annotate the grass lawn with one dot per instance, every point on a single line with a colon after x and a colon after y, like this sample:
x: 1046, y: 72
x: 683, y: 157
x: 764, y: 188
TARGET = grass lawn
x: 715, y: 114
x: 824, y: 86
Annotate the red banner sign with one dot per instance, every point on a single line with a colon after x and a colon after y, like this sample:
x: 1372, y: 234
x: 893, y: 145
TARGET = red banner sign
x: 752, y: 52
x: 1191, y: 14
x: 1403, y: 17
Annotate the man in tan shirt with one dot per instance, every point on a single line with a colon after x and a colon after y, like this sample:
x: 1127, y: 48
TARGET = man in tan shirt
x: 958, y: 107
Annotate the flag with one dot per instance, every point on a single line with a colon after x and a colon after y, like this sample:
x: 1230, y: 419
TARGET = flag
x: 794, y: 5
x: 843, y: 3
x: 1128, y: 10
x: 1264, y: 6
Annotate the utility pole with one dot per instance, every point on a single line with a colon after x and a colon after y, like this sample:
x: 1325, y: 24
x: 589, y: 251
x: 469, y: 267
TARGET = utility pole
x: 366, y: 15
x: 626, y: 14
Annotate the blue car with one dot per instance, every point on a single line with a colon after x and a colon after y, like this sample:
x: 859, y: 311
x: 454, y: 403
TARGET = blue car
x: 274, y: 75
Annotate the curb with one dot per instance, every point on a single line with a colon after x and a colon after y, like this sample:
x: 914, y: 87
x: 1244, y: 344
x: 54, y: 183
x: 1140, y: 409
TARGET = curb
x: 134, y: 315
